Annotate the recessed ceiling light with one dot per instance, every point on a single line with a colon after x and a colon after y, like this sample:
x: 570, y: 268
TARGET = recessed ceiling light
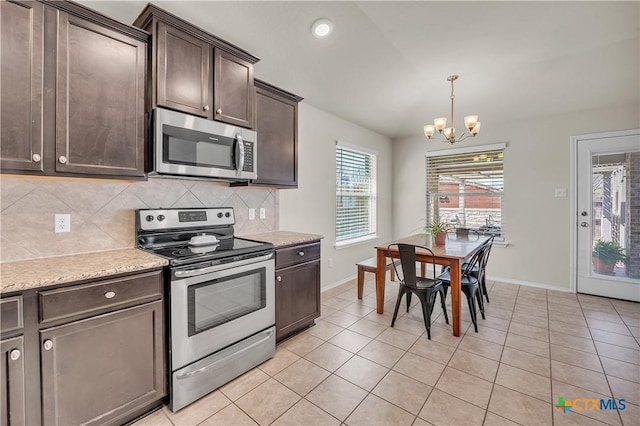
x: 322, y: 28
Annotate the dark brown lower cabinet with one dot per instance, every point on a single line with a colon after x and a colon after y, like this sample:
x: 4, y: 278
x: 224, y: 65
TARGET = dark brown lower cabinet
x: 297, y: 290
x: 12, y: 395
x: 102, y: 369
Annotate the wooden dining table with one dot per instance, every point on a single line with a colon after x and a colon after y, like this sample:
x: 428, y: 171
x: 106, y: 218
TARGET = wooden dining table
x: 452, y: 253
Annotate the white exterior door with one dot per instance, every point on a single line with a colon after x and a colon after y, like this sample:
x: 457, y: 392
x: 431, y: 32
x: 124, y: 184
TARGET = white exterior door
x: 608, y: 214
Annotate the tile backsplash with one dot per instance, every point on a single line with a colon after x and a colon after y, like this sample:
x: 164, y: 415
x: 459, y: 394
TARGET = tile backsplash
x: 102, y: 211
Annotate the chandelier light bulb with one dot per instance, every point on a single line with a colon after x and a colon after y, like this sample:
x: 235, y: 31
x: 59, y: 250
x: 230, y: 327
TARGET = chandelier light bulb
x: 440, y: 123
x: 450, y: 132
x: 476, y: 129
x: 429, y: 130
x: 470, y: 121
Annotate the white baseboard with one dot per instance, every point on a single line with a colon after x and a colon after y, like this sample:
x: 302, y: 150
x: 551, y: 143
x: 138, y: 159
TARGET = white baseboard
x: 339, y: 283
x: 490, y: 278
x: 529, y: 284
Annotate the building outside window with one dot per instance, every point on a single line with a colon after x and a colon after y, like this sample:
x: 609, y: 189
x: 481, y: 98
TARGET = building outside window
x: 355, y: 194
x: 465, y: 188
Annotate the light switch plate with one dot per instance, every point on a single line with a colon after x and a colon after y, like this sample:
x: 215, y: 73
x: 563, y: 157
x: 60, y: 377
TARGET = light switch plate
x: 561, y: 192
x: 263, y: 212
x: 252, y: 214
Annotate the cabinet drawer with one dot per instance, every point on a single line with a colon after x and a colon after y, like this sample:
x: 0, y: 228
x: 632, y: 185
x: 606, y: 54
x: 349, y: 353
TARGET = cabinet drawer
x: 297, y: 254
x: 11, y: 314
x: 93, y: 298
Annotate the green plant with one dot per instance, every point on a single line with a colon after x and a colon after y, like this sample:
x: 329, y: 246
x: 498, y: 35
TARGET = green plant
x: 608, y: 252
x: 436, y: 226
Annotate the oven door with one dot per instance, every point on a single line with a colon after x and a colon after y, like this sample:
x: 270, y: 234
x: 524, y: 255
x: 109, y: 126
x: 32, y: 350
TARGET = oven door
x: 219, y: 307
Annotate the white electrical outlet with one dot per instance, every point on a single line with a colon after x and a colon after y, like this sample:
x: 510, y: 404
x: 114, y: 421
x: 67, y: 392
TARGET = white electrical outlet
x: 263, y: 213
x: 331, y: 262
x: 62, y: 223
x: 252, y: 214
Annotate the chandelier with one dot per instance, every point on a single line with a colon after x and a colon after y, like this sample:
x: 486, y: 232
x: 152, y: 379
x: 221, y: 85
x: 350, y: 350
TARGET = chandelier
x: 449, y: 133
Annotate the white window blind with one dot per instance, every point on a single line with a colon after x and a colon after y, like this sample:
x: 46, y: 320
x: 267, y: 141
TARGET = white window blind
x: 465, y: 188
x: 355, y: 192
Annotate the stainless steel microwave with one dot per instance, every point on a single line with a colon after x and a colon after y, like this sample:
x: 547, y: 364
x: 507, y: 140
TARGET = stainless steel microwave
x: 184, y: 145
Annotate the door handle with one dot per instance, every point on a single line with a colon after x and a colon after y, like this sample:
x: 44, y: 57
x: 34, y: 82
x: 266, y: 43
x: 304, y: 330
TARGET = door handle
x: 584, y: 224
x: 239, y: 155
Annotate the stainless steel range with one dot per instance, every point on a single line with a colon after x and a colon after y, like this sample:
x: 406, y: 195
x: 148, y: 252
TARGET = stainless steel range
x: 221, y: 297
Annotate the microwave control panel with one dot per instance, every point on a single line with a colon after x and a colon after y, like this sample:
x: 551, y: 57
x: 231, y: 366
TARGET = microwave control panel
x: 248, y: 157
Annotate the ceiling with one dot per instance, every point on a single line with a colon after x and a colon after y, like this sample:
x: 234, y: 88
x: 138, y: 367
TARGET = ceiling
x: 385, y: 65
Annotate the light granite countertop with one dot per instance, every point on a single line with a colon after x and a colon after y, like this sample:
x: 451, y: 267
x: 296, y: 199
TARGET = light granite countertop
x: 27, y: 274
x: 283, y: 238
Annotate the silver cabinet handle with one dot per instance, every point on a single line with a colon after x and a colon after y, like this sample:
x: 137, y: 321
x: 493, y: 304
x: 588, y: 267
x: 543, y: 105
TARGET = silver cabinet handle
x: 300, y: 253
x: 584, y: 224
x: 219, y: 111
x: 205, y: 108
x: 48, y: 344
x: 36, y: 158
x: 109, y: 294
x: 15, y: 354
x: 62, y: 159
x: 279, y: 278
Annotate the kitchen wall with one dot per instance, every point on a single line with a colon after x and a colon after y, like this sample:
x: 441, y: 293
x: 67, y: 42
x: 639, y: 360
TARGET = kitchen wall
x: 537, y: 160
x: 311, y: 207
x: 102, y: 211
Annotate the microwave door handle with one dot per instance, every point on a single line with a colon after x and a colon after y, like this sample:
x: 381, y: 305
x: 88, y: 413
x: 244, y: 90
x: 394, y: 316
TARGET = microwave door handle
x: 239, y: 154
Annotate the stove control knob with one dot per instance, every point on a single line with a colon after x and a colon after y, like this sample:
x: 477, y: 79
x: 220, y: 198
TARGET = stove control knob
x: 160, y: 217
x: 149, y: 218
x: 220, y: 215
x: 227, y: 214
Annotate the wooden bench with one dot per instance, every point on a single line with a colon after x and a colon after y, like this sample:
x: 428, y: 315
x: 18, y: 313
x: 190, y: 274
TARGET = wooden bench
x: 369, y: 265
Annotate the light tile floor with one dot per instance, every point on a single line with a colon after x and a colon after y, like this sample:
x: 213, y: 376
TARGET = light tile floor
x: 351, y: 368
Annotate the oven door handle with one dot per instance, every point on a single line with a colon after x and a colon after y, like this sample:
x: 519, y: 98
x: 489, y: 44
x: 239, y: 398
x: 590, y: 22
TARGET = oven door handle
x: 201, y: 271
x: 234, y: 354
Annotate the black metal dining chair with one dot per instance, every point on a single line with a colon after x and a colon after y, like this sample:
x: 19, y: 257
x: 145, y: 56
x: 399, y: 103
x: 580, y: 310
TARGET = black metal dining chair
x: 470, y: 284
x: 480, y: 270
x: 425, y: 288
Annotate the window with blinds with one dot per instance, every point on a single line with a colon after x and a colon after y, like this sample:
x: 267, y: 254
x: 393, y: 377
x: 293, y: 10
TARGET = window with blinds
x: 465, y: 188
x: 355, y: 192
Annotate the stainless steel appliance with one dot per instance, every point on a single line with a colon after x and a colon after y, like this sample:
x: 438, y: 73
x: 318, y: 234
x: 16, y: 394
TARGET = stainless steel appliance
x: 220, y: 294
x: 184, y: 145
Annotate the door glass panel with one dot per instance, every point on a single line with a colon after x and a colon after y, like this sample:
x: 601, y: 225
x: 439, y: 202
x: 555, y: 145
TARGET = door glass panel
x: 614, y: 178
x: 222, y: 300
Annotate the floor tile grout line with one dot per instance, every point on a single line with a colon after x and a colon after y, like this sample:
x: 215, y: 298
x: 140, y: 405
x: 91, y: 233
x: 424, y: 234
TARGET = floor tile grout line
x: 601, y: 364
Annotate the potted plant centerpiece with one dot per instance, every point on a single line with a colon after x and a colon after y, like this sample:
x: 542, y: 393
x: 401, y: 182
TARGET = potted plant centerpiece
x: 438, y: 229
x: 605, y: 255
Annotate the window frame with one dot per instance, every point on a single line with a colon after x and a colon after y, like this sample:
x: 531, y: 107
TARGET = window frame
x: 478, y: 149
x: 373, y: 196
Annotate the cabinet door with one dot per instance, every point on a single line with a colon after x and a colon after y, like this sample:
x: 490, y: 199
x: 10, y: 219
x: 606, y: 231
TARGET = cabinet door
x: 233, y: 89
x: 97, y: 370
x: 276, y: 125
x: 21, y: 57
x: 100, y: 114
x: 183, y: 72
x: 12, y: 398
x: 297, y: 298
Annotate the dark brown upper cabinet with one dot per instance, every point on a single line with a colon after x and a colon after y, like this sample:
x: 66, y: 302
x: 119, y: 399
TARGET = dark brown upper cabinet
x: 277, y: 128
x: 233, y: 89
x: 183, y: 72
x: 73, y: 86
x: 21, y: 81
x: 196, y: 72
x: 100, y: 115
